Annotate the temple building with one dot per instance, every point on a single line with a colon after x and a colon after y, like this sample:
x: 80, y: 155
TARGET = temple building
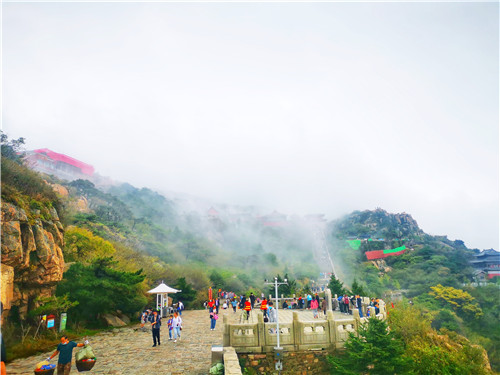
x: 486, y: 264
x: 59, y: 165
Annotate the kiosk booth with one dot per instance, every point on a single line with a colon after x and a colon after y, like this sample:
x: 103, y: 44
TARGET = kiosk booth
x: 162, y: 292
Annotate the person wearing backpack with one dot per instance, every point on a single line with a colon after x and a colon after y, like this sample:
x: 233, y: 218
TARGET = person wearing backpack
x: 346, y: 304
x: 155, y: 327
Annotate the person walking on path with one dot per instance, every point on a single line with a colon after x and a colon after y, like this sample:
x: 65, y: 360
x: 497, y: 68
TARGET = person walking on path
x: 213, y: 320
x: 180, y: 307
x: 155, y: 327
x: 234, y: 303
x: 359, y: 306
x: 65, y: 351
x: 323, y: 306
x: 263, y: 307
x: 272, y: 313
x: 144, y: 319
x: 170, y: 326
x: 247, y: 308
x: 252, y: 300
x: 177, y: 324
x: 314, y: 307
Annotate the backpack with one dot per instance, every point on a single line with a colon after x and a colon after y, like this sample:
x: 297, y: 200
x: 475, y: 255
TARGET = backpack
x: 346, y: 300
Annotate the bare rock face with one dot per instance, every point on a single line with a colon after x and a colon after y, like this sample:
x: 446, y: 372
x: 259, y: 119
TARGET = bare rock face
x: 32, y: 246
x: 113, y: 321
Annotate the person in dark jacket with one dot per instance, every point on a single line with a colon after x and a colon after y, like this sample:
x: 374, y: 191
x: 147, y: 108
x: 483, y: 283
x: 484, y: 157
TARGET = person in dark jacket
x: 252, y: 300
x: 155, y: 327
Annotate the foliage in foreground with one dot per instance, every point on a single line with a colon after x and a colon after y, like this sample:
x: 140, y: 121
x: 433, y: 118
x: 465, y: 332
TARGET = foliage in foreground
x: 375, y: 350
x: 99, y: 289
x: 408, y: 346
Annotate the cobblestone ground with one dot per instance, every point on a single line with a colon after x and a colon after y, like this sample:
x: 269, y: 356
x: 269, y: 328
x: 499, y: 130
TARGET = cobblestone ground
x: 129, y: 350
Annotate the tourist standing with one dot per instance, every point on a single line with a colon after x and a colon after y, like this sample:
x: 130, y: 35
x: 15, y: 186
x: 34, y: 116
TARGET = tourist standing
x: 180, y: 307
x: 65, y: 351
x: 272, y: 313
x: 247, y: 308
x: 252, y: 300
x: 263, y: 307
x: 177, y: 326
x: 314, y: 307
x: 217, y: 304
x: 144, y: 319
x: 359, y: 305
x: 309, y: 299
x: 234, y: 303
x: 170, y: 326
x: 324, y: 305
x: 213, y: 320
x: 155, y: 327
x: 346, y: 304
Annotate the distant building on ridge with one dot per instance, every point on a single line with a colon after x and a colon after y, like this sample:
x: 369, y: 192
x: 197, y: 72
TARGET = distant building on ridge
x: 486, y: 264
x: 59, y: 165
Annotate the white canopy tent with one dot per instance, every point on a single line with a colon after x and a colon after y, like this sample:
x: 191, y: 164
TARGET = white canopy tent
x: 162, y: 292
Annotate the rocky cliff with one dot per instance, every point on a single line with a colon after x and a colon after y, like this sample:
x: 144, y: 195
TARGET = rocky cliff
x: 377, y: 223
x: 32, y: 258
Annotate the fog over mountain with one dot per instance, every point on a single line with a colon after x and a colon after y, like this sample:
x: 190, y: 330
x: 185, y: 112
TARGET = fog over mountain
x: 303, y: 108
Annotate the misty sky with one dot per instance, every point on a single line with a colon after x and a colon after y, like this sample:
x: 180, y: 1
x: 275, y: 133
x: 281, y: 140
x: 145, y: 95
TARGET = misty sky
x: 300, y: 107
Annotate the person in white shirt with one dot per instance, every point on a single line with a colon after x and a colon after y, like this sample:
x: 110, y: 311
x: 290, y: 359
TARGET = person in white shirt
x: 177, y: 326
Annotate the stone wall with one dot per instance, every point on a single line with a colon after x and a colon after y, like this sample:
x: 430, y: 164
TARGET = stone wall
x: 260, y: 337
x: 32, y: 248
x: 296, y: 363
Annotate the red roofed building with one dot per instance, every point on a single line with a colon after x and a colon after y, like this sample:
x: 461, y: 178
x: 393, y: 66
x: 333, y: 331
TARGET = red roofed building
x: 60, y: 165
x: 274, y: 219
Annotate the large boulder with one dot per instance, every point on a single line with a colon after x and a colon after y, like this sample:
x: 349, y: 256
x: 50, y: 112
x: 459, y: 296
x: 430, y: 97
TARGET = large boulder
x: 112, y: 320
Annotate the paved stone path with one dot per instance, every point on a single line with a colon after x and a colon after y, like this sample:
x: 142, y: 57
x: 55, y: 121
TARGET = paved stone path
x: 129, y: 350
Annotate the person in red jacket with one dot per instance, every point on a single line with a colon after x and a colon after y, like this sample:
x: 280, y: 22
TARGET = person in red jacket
x: 247, y: 308
x: 263, y: 307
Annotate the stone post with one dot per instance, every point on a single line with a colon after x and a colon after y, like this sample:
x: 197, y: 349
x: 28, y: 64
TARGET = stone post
x: 225, y: 332
x: 296, y: 326
x: 328, y: 296
x: 355, y: 315
x: 260, y: 330
x: 332, y: 334
x: 372, y: 311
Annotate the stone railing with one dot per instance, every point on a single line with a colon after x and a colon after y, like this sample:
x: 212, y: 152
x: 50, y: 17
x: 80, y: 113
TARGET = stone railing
x: 297, y: 335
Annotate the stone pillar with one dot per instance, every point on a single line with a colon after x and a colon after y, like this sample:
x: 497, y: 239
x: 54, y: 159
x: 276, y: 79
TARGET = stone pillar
x: 297, y: 336
x: 225, y: 332
x: 332, y: 334
x: 260, y: 330
x: 372, y: 311
x: 357, y: 321
x: 328, y: 296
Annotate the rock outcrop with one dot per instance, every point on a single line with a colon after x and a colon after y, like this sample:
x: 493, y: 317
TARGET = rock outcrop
x: 32, y: 246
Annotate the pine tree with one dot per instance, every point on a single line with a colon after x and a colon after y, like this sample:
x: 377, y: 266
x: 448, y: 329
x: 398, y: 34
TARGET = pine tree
x: 336, y: 286
x: 374, y: 350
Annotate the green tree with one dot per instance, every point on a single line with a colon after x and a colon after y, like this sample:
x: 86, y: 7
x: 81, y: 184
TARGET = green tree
x: 336, y: 286
x: 100, y: 289
x: 358, y: 288
x: 374, y: 350
x: 188, y: 294
x: 217, y: 280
